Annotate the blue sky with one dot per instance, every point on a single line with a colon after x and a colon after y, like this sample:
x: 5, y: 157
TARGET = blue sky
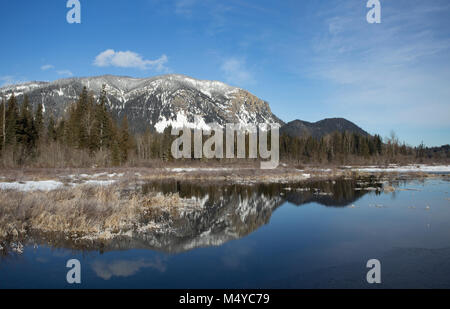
x: 309, y: 59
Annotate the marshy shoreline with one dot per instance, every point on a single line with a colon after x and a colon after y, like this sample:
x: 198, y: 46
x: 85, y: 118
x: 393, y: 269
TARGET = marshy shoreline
x: 92, y: 208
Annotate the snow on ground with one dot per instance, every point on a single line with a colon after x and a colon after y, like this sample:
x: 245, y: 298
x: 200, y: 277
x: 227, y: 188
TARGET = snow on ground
x: 84, y: 179
x: 96, y: 175
x: 180, y: 170
x: 99, y: 182
x: 322, y: 170
x: 48, y: 185
x: 405, y: 169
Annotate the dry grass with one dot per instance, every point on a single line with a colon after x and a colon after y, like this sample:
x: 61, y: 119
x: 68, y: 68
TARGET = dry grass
x: 236, y: 174
x: 80, y: 212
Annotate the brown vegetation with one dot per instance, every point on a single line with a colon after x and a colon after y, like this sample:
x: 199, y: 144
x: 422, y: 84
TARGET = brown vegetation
x: 95, y: 212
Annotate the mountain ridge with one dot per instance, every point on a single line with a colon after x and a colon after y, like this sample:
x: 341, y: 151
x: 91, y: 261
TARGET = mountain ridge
x: 176, y: 100
x: 157, y: 102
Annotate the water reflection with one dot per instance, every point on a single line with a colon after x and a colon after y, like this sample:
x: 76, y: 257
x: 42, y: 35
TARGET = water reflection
x: 227, y: 212
x: 333, y: 193
x: 310, y: 242
x: 125, y: 268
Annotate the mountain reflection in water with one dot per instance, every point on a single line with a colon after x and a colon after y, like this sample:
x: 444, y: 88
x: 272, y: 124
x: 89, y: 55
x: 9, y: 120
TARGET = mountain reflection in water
x: 226, y: 212
x: 333, y: 193
x: 316, y: 234
x: 230, y: 211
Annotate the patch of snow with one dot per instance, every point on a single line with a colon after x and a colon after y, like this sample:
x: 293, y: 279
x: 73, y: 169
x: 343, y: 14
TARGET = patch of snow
x: 406, y: 169
x: 31, y: 185
x: 98, y: 175
x: 99, y: 182
x: 196, y: 169
x: 116, y: 175
x: 325, y: 170
x: 181, y: 121
x: 49, y: 185
x: 59, y: 92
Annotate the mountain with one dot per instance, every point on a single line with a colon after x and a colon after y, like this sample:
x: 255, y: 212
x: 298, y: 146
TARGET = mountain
x: 155, y: 102
x: 176, y: 100
x: 321, y: 128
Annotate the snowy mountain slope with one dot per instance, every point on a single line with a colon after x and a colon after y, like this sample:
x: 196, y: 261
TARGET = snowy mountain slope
x: 155, y: 102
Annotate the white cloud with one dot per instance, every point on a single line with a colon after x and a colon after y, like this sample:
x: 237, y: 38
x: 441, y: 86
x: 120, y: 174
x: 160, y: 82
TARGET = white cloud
x: 65, y: 73
x: 129, y: 59
x: 236, y: 72
x: 47, y: 67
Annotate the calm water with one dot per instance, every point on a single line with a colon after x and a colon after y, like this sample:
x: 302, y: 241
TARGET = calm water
x: 315, y: 235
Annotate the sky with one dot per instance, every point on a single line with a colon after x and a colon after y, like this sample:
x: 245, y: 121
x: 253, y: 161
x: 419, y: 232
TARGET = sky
x: 309, y: 59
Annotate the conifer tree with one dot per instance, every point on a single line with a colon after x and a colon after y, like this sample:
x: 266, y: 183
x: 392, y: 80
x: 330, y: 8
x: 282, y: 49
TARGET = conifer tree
x: 39, y: 120
x: 11, y: 121
x: 91, y: 124
x: 378, y: 144
x: 26, y: 132
x: 62, y: 133
x: 104, y: 122
x: 124, y: 140
x: 77, y: 123
x: 25, y: 126
x: 165, y: 144
x: 51, y: 129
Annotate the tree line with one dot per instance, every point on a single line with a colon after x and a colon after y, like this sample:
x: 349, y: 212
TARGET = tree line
x: 89, y: 135
x: 87, y: 129
x: 353, y: 148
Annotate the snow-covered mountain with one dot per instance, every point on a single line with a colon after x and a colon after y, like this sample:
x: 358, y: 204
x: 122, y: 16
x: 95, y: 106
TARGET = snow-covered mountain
x: 155, y: 102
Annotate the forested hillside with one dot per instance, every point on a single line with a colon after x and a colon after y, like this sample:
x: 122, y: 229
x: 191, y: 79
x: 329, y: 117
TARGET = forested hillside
x: 88, y: 135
